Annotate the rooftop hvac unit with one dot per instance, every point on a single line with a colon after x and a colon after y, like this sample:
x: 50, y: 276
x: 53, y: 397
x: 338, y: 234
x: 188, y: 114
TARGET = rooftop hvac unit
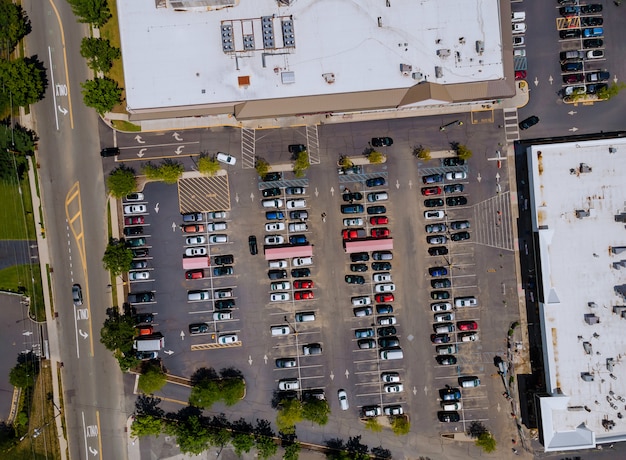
x: 586, y: 376
x: 406, y: 69
x: 581, y: 213
x: 329, y: 77
x: 591, y: 319
x: 585, y: 168
x: 443, y: 53
x: 417, y: 76
x: 480, y: 46
x: 588, y: 347
x: 438, y: 72
x: 287, y: 77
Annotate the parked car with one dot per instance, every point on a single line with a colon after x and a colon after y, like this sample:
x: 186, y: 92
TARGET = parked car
x: 428, y: 191
x: 593, y: 43
x: 453, y: 188
x: 364, y: 333
x: 295, y: 190
x: 440, y: 283
x: 359, y: 257
x: 456, y: 161
x: 252, y: 245
x: 382, y: 141
x: 594, y: 77
x: 354, y: 279
x: 459, y: 225
x: 352, y: 196
x: 437, y: 271
x: 376, y: 210
x: 433, y: 202
x: 223, y: 270
x: 198, y: 328
x: 569, y: 33
x: 193, y: 217
x: 375, y: 182
x: 353, y: 222
x: 441, y: 306
x: 225, y: 158
x: 528, y: 122
x: 270, y: 192
x: 448, y: 417
x: 460, y: 236
x: 135, y: 209
x: 446, y: 360
x: 467, y: 325
x: 436, y: 239
x: 358, y: 268
x: 377, y: 196
x: 352, y: 208
x: 439, y: 338
x: 378, y: 266
x: 301, y: 272
x: 224, y: 260
x: 432, y: 178
x: 429, y: 215
x: 438, y: 251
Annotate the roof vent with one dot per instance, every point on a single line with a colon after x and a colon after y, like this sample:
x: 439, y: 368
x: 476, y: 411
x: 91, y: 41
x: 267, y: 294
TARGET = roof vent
x: 480, y: 46
x: 588, y: 347
x: 329, y: 77
x: 288, y: 77
x: 406, y: 69
x: 244, y: 80
x: 581, y: 213
x: 443, y: 53
x: 438, y: 72
x: 585, y: 168
x: 419, y: 76
x: 591, y: 318
x: 586, y: 376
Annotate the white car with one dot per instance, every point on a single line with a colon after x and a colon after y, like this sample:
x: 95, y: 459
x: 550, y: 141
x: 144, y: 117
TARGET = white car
x: 216, y: 226
x: 136, y: 276
x: 383, y: 277
x: 223, y: 293
x: 343, y: 399
x: 280, y: 297
x: 273, y: 203
x: 226, y: 158
x: 217, y: 215
x: 386, y: 320
x: 277, y: 263
x: 274, y: 239
x: 222, y: 315
x: 135, y: 209
x: 394, y: 388
x: 469, y: 337
x: 390, y: 377
x: 456, y: 175
x: 444, y: 306
x: 362, y: 300
x: 460, y: 302
x: 430, y: 215
x: 519, y: 27
x: 387, y: 287
x: 595, y: 54
x: 195, y: 240
x: 280, y: 330
x: 298, y: 227
x: 280, y: 286
x: 219, y: 238
x: 354, y: 222
x: 393, y: 410
x: 195, y: 251
x: 295, y: 190
x: 285, y: 385
x: 451, y: 405
x: 377, y: 196
x: 300, y: 261
x: 274, y: 227
x: 227, y: 339
x: 136, y: 196
x: 444, y: 317
x: 295, y: 204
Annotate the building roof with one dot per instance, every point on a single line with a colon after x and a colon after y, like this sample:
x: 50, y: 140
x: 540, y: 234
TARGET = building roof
x: 579, y: 213
x: 220, y: 54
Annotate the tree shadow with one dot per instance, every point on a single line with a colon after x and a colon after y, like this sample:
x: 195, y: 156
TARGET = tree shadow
x: 202, y: 374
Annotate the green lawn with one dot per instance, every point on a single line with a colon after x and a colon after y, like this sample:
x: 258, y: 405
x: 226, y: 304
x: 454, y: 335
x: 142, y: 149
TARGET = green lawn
x: 111, y: 32
x: 13, y: 226
x: 17, y: 276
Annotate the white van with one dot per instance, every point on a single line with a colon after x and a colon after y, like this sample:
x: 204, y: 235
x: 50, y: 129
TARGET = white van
x: 305, y: 317
x: 518, y: 16
x: 470, y: 381
x: 193, y: 296
x: 218, y: 238
x: 301, y: 227
x: 149, y: 344
x: 273, y: 203
x: 280, y: 330
x: 216, y: 226
x: 395, y: 353
x: 295, y: 204
x: 443, y: 328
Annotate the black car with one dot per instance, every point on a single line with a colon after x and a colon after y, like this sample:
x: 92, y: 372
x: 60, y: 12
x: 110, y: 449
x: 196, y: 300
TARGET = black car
x: 252, y: 245
x: 379, y: 266
x: 269, y: 192
x: 302, y: 215
x: 277, y: 274
x: 382, y: 141
x: 594, y: 77
x: 358, y: 267
x: 528, y: 122
x: 144, y: 355
x: 593, y: 89
x: 454, y: 161
x: 223, y: 260
x: 592, y: 21
x: 198, y: 328
x: 594, y: 8
x: 128, y: 231
x: 459, y: 224
x: 387, y: 330
x: 355, y: 196
x: 440, y: 283
x: 376, y: 210
x: 433, y: 202
x: 446, y: 360
x: 354, y: 279
x: 569, y: 33
x: 453, y: 188
x: 593, y: 43
x: 375, y: 181
x: 300, y: 272
x: 389, y: 342
x: 137, y: 264
x: 141, y: 252
x: 382, y: 255
x: 460, y: 236
x: 109, y: 152
x: 271, y: 177
x: 223, y: 271
x: 572, y: 66
x: 438, y: 251
x: 439, y: 338
x: 140, y: 297
x: 296, y: 148
x: 448, y: 416
x: 569, y: 10
x: 439, y: 295
x: 144, y: 318
x: 359, y: 257
x: 224, y: 304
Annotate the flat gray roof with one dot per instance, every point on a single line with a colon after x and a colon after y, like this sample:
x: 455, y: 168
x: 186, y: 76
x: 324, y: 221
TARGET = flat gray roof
x: 176, y: 58
x: 578, y: 195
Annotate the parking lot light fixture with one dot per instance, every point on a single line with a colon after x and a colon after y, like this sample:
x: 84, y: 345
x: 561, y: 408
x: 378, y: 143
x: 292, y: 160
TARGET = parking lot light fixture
x: 292, y: 326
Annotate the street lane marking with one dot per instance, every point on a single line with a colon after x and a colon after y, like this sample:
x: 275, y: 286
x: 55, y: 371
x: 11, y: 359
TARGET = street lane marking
x: 67, y: 75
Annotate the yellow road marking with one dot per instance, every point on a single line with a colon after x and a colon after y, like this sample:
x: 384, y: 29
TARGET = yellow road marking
x: 67, y: 75
x: 99, y: 434
x: 177, y: 401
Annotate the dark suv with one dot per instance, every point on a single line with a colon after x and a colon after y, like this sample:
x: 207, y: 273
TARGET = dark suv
x: 252, y: 245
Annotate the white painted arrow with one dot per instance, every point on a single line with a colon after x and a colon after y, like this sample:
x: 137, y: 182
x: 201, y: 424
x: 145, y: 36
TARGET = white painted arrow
x: 478, y: 178
x: 316, y: 192
x: 179, y: 149
x: 536, y: 82
x: 182, y: 335
x: 62, y: 110
x: 251, y: 196
x: 141, y: 153
x: 93, y: 451
x: 139, y: 139
x: 237, y: 197
x: 572, y: 112
x: 411, y: 185
x: 498, y: 188
x: 414, y: 391
x: 497, y: 177
x: 84, y: 335
x: 498, y: 407
x: 265, y: 359
x: 332, y: 376
x: 156, y: 208
x: 168, y: 352
x: 550, y: 79
x: 615, y: 79
x: 397, y: 184
x: 27, y: 333
x: 250, y: 359
x: 177, y: 136
x: 332, y: 191
x: 173, y: 226
x: 426, y: 390
x: 347, y: 373
x: 574, y: 129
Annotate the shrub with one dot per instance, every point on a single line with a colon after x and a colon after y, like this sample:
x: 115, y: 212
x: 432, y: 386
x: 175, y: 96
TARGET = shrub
x: 152, y: 378
x: 301, y: 164
x: 375, y: 157
x: 401, y: 425
x: 422, y: 152
x: 208, y: 166
x: 262, y: 167
x: 121, y: 181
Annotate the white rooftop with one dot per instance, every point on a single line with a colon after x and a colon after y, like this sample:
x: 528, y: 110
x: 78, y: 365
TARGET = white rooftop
x: 176, y: 58
x: 580, y: 267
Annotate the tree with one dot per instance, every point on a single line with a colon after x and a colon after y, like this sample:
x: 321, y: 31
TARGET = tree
x: 117, y: 335
x: 301, y: 164
x: 265, y: 446
x: 289, y: 413
x: 17, y: 138
x: 375, y: 157
x: 345, y: 162
x: 122, y: 181
x: 102, y: 94
x: 205, y: 394
x: 117, y: 257
x: 486, y: 442
x: 146, y: 425
x: 25, y: 371
x: 219, y: 437
x: 262, y: 167
x: 95, y: 12
x: 359, y: 451
x: 14, y: 25
x: 232, y: 390
x: 292, y: 451
x: 24, y: 79
x: 316, y: 410
x: 421, y: 152
x: 462, y: 151
x: 401, y: 425
x: 99, y: 53
x: 475, y: 429
x: 192, y: 434
x: 372, y: 424
x: 611, y: 91
x: 242, y: 437
x: 152, y: 378
x: 168, y: 171
x: 381, y: 453
x: 208, y: 166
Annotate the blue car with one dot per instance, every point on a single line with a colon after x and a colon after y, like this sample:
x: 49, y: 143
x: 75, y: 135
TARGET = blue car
x: 375, y: 182
x: 351, y: 208
x: 297, y: 239
x: 274, y: 215
x: 593, y: 32
x: 438, y: 271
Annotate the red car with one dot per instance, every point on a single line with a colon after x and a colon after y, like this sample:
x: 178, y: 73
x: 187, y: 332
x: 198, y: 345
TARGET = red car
x: 135, y: 220
x: 520, y: 74
x: 144, y: 330
x: 467, y: 325
x: 379, y: 220
x: 303, y: 295
x: 350, y: 234
x: 427, y: 191
x: 380, y: 298
x: 193, y: 228
x: 303, y: 284
x: 194, y: 274
x: 381, y: 232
